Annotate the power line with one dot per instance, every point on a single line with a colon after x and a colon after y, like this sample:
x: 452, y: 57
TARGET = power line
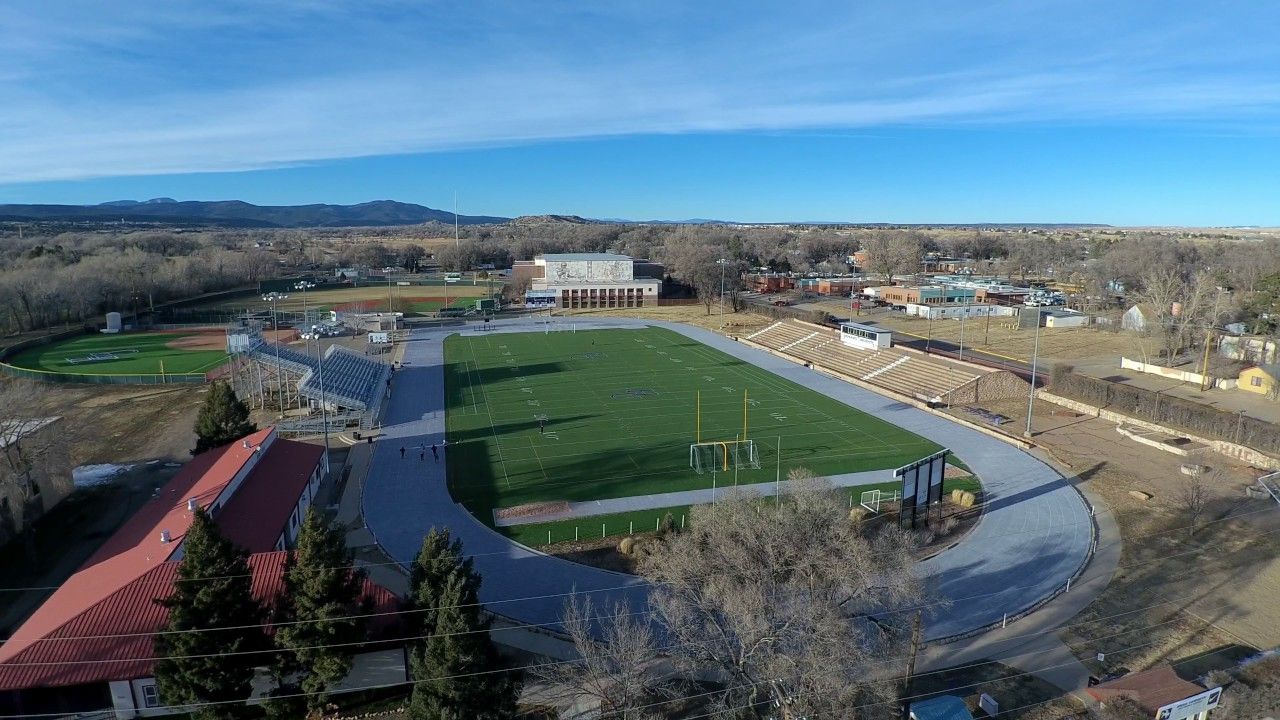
x: 638, y: 580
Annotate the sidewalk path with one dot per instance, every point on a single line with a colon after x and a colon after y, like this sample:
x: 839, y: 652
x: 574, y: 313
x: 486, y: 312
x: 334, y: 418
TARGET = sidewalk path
x: 635, y: 503
x: 1035, y: 534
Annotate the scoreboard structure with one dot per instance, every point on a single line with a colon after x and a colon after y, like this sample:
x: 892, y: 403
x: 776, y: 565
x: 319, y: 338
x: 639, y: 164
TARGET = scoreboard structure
x: 921, y: 489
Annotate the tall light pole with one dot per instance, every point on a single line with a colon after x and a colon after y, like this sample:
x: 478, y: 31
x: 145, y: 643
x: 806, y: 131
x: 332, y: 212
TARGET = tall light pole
x: 722, y: 263
x: 387, y: 271
x: 304, y: 286
x: 274, y: 298
x: 324, y: 410
x: 964, y: 311
x: 1035, y: 356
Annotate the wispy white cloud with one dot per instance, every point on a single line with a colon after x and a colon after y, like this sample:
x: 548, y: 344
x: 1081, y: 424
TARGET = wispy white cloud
x: 90, y: 90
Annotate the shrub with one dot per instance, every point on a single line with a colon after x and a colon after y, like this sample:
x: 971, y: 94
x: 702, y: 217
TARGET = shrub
x: 627, y: 545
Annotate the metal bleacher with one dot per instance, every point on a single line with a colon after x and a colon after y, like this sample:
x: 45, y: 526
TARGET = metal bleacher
x: 897, y: 370
x: 351, y: 380
x: 354, y: 384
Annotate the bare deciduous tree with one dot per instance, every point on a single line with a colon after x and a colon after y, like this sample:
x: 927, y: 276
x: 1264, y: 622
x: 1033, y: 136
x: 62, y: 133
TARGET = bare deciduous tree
x: 619, y: 673
x: 33, y: 459
x: 892, y: 253
x: 1192, y: 500
x: 775, y: 601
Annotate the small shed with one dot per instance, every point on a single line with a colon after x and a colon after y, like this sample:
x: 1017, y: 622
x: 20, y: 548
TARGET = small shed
x: 1138, y: 318
x: 1065, y: 319
x: 1261, y: 379
x: 1161, y: 692
x: 943, y: 707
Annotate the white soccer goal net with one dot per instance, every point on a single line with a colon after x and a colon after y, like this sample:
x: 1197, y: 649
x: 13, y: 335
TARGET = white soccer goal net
x: 724, y: 456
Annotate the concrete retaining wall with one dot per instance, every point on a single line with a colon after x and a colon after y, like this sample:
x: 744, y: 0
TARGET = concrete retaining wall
x: 1231, y: 450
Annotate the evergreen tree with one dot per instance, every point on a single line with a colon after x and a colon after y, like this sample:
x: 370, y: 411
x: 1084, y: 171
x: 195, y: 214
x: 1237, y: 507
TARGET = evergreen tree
x: 213, y: 590
x: 437, y: 559
x: 223, y: 418
x: 455, y: 667
x: 323, y: 591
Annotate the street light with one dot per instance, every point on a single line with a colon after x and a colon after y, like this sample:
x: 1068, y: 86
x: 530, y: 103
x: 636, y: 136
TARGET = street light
x: 1035, y: 356
x: 274, y: 298
x: 304, y: 286
x: 324, y: 410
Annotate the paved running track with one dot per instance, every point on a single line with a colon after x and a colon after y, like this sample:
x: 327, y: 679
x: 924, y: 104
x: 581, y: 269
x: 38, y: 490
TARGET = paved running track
x: 1035, y: 534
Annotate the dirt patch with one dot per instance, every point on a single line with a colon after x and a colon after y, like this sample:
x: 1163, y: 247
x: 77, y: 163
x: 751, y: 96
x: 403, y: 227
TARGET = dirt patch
x: 202, y: 341
x: 1176, y: 593
x: 538, y: 509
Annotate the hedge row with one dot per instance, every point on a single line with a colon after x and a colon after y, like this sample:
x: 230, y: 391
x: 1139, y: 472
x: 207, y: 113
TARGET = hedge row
x: 1173, y: 412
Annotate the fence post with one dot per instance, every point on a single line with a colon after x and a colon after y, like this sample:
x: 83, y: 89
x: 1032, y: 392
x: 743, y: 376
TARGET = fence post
x: 1005, y: 622
x: 681, y: 521
x: 657, y: 523
x: 632, y: 531
x: 602, y: 530
x: 1068, y: 584
x: 575, y: 533
x: 548, y: 537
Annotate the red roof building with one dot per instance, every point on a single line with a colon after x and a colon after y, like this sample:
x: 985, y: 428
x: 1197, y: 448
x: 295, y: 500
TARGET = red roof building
x: 97, y: 629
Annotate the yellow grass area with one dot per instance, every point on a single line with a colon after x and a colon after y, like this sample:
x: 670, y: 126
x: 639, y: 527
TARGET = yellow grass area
x: 1001, y: 336
x: 739, y: 323
x: 1176, y: 594
x: 377, y: 293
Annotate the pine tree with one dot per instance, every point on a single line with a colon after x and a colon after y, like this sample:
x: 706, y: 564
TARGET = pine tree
x: 223, y: 418
x: 213, y: 590
x: 323, y: 591
x: 455, y: 668
x: 437, y: 559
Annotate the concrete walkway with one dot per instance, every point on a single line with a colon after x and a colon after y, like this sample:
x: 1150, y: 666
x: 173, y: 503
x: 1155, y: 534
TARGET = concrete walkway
x: 1035, y: 534
x: 636, y: 503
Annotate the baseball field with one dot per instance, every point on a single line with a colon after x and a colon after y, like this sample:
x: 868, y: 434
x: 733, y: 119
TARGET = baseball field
x: 142, y: 353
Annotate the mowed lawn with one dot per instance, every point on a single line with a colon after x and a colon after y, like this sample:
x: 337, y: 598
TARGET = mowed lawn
x: 134, y: 353
x: 619, y: 408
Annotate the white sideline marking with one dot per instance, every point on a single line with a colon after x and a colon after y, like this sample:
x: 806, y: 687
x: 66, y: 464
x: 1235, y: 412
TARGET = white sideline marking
x: 788, y: 346
x: 886, y: 368
x: 761, y: 332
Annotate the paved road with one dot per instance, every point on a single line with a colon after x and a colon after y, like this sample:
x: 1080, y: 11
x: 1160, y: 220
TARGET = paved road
x: 1035, y: 534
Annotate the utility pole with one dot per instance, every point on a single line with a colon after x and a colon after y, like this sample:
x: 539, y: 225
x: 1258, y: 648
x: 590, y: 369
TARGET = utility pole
x: 456, y: 243
x: 916, y: 627
x: 722, y: 262
x: 274, y: 298
x: 1031, y: 396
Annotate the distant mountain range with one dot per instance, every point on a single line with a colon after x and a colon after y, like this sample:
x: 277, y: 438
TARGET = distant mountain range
x: 234, y: 213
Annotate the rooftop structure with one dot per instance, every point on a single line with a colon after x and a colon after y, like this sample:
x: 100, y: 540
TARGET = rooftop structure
x: 257, y: 491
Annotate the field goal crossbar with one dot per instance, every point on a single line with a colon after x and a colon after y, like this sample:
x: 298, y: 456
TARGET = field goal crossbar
x: 724, y: 455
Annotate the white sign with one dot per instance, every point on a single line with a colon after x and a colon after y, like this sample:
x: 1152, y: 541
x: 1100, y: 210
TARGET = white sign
x: 379, y: 337
x: 988, y: 705
x: 1191, y: 706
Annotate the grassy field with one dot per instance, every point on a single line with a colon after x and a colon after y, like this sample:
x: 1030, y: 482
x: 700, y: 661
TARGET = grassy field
x: 619, y: 418
x: 122, y: 354
x: 375, y: 294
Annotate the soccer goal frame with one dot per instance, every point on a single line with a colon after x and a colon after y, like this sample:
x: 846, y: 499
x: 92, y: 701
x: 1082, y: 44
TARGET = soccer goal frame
x: 723, y: 455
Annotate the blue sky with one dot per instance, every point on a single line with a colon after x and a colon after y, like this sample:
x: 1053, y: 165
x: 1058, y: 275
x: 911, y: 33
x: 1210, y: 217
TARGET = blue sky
x: 937, y: 111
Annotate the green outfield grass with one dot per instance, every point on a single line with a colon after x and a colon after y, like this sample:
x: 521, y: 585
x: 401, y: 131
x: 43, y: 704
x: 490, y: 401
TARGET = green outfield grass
x: 134, y: 354
x: 619, y: 407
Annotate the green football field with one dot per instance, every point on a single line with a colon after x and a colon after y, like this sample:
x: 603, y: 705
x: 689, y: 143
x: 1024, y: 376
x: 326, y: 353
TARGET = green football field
x: 121, y: 354
x: 619, y: 409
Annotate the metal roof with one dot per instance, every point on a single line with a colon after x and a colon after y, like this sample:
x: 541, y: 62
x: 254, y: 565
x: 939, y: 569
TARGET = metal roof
x: 943, y: 707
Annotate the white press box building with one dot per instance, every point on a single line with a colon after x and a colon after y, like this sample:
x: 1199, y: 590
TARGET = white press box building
x: 589, y: 280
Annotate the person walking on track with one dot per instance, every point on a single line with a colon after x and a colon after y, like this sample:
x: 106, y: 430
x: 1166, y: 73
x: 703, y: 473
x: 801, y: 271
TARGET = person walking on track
x: 401, y: 453
x: 435, y: 453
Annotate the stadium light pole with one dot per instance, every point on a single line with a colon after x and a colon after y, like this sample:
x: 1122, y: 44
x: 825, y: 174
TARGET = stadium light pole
x: 1035, y: 356
x: 274, y: 298
x: 304, y: 286
x: 387, y: 271
x: 722, y: 263
x: 324, y: 409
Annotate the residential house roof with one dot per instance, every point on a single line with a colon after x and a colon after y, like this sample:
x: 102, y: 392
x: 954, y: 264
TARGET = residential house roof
x: 1271, y: 369
x: 1151, y: 689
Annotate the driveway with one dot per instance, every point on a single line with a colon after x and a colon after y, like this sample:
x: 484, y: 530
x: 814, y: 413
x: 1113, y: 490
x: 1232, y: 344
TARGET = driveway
x: 1035, y: 534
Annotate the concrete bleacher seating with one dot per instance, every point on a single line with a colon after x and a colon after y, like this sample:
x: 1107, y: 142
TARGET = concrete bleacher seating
x: 897, y: 370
